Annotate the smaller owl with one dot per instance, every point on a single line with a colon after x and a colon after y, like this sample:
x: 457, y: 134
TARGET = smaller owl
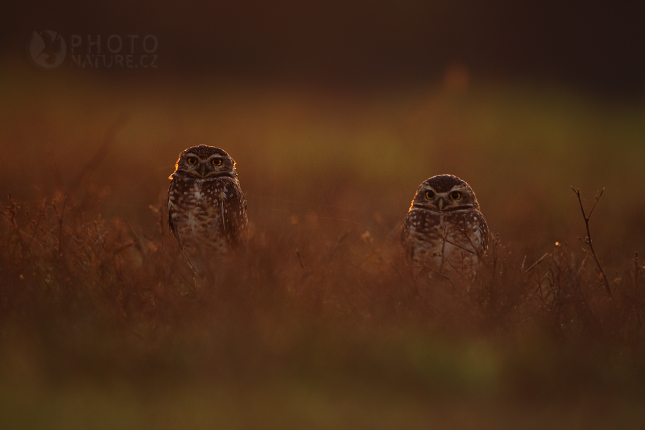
x: 206, y: 207
x: 444, y: 231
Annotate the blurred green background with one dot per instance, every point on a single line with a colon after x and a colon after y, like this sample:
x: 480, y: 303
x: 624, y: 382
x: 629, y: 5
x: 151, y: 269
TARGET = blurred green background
x: 341, y: 154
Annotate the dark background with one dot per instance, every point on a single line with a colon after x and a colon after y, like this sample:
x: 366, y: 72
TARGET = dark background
x: 335, y: 112
x: 592, y: 46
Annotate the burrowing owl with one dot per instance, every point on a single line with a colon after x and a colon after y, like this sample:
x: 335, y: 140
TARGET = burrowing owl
x: 444, y: 229
x: 206, y: 207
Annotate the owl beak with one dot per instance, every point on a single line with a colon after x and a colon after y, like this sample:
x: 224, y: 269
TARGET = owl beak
x: 441, y: 203
x: 202, y: 170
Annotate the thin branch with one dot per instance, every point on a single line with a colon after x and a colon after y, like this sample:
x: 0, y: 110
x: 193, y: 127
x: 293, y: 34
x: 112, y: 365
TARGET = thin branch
x: 582, y: 264
x: 336, y: 246
x: 300, y: 259
x: 524, y: 272
x: 636, y: 270
x: 59, y: 216
x: 588, y: 240
x: 42, y: 214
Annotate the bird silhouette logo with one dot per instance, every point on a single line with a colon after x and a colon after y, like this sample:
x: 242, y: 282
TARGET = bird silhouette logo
x: 47, y: 49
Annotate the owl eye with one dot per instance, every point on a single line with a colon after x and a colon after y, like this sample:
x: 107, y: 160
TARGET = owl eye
x: 216, y: 161
x: 430, y: 194
x: 455, y: 195
x: 192, y: 160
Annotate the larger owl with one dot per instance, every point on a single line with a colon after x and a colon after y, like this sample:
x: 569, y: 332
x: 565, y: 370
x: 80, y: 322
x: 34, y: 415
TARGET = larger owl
x: 206, y: 207
x: 444, y: 231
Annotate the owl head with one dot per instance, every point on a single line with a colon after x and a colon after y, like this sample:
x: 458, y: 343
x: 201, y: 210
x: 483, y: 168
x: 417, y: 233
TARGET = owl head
x: 444, y: 193
x: 204, y: 162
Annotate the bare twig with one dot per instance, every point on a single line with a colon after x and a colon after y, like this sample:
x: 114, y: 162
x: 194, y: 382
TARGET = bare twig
x: 300, y: 259
x: 524, y: 272
x: 336, y: 246
x: 59, y: 216
x: 636, y: 270
x: 41, y: 215
x: 588, y: 240
x: 13, y: 211
x: 582, y: 264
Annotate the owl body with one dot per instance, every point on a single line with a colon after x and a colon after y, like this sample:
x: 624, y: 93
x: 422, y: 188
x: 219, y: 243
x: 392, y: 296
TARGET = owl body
x: 444, y: 230
x: 206, y: 206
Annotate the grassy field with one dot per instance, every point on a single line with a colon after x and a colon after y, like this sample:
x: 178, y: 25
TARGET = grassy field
x: 319, y: 324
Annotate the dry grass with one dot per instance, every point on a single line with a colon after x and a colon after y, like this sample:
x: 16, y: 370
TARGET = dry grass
x: 318, y: 324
